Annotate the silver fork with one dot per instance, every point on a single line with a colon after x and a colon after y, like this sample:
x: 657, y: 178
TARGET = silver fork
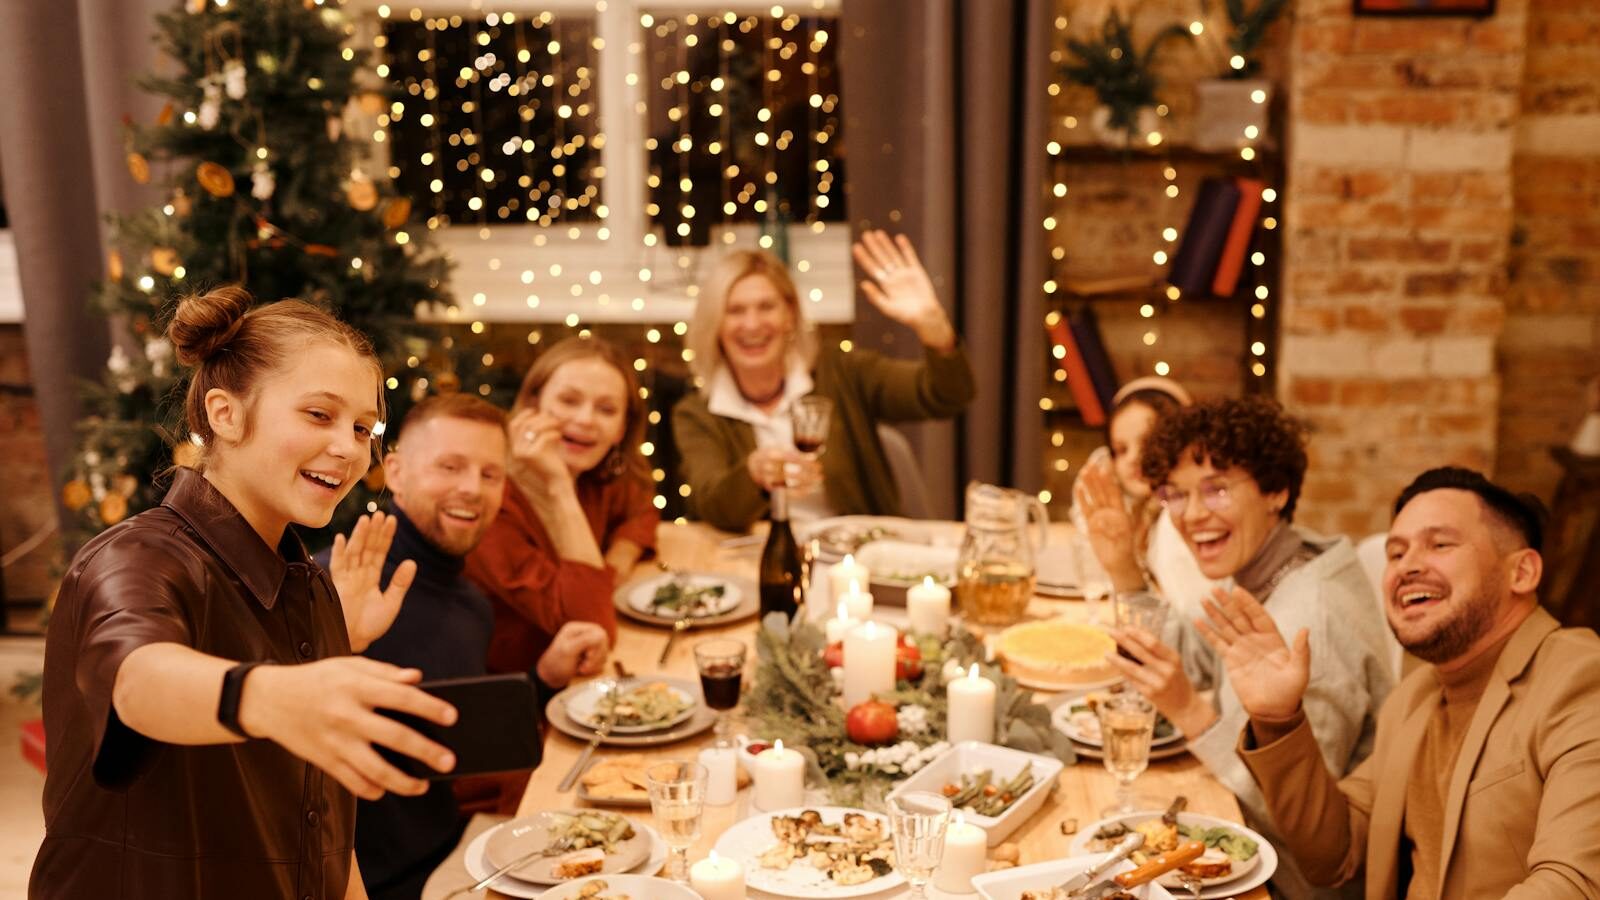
x: 607, y: 688
x: 679, y: 578
x: 560, y: 846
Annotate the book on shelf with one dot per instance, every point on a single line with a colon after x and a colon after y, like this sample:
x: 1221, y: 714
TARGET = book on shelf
x: 1230, y: 263
x: 1194, y: 266
x: 1092, y: 348
x: 1071, y: 362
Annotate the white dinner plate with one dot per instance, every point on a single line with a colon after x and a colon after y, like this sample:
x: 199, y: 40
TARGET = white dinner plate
x: 641, y: 594
x: 745, y: 841
x: 520, y: 837
x: 1084, y: 726
x: 1249, y: 874
x: 583, y: 706
x: 477, y: 865
x: 643, y: 887
x: 1008, y: 884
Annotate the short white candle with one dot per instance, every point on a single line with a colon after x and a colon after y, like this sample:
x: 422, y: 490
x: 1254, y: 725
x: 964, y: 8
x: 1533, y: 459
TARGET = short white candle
x: 779, y: 779
x: 718, y: 878
x: 966, y: 853
x: 722, y: 774
x: 928, y: 607
x: 840, y: 625
x: 845, y: 571
x: 857, y: 601
x: 869, y: 652
x: 971, y: 707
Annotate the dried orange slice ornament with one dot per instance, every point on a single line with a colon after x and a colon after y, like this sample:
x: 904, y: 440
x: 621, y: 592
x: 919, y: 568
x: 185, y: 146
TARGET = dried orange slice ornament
x: 217, y: 180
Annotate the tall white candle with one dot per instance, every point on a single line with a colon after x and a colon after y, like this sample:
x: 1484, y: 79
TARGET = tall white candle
x: 718, y: 878
x: 971, y: 706
x: 966, y: 853
x: 857, y: 600
x: 722, y: 774
x: 778, y: 777
x: 869, y: 652
x: 846, y: 571
x: 928, y: 607
x: 840, y: 625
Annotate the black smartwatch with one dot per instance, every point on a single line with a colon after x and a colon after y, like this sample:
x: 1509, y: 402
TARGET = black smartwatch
x: 228, y: 704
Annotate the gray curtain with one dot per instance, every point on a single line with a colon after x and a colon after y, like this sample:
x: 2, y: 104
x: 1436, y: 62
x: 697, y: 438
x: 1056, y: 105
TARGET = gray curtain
x: 66, y: 67
x: 945, y: 125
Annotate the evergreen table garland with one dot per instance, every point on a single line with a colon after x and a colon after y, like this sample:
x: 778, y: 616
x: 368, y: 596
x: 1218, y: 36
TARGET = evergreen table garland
x: 794, y: 698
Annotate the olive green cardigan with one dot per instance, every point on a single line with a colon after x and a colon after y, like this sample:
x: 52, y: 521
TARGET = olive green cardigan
x: 866, y: 388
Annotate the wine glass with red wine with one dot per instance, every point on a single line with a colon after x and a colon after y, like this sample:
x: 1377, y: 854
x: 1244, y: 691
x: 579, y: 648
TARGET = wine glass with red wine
x: 721, y: 665
x: 810, y: 417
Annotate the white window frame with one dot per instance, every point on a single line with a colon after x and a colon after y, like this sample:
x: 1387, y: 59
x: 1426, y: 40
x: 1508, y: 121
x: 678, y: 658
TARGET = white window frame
x: 636, y: 283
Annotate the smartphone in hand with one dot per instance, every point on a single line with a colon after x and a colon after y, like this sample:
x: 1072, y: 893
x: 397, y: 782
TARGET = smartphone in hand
x: 496, y: 729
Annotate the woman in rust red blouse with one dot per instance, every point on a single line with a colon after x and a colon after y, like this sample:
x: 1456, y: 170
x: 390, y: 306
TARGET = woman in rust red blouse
x: 578, y: 512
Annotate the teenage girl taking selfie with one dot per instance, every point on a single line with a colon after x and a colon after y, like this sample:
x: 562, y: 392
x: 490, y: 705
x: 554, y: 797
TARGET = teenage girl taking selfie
x: 208, y: 729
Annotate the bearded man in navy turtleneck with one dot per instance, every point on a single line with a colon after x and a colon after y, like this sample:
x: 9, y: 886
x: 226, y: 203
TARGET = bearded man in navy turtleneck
x: 447, y: 475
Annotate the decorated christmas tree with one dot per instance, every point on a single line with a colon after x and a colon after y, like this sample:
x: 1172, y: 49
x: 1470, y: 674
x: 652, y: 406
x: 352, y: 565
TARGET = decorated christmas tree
x: 264, y: 186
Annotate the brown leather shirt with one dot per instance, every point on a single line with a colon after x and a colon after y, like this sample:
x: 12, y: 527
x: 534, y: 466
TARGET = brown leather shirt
x: 130, y: 817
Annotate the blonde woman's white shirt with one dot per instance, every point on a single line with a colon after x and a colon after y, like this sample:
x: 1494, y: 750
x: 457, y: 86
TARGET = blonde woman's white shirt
x: 774, y: 429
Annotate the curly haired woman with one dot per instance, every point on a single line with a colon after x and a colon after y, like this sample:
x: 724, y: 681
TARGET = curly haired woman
x: 1229, y: 473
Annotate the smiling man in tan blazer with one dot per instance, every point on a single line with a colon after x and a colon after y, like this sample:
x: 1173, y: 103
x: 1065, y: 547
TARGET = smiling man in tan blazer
x: 1485, y: 780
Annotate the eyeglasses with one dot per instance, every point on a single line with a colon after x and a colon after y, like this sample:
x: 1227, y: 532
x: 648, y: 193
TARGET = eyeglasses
x: 1213, y: 495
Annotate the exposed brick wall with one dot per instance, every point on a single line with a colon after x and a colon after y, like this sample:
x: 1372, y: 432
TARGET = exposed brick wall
x: 1551, y: 343
x: 1399, y: 213
x: 26, y: 502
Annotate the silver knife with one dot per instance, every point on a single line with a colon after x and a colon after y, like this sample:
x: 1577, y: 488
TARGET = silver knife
x: 600, y: 732
x: 1185, y: 853
x: 1120, y: 852
x: 678, y: 627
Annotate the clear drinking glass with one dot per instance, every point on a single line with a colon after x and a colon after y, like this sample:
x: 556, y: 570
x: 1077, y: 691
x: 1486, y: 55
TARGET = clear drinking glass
x: 918, y: 819
x: 1140, y: 609
x: 1127, y: 721
x: 721, y: 665
x: 810, y: 418
x: 678, y: 801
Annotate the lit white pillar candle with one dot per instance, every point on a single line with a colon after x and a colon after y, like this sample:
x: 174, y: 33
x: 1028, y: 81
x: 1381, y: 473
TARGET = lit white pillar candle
x: 779, y: 778
x: 840, y: 625
x: 971, y: 706
x: 928, y: 607
x: 869, y: 652
x: 966, y: 853
x: 718, y: 878
x: 857, y: 601
x: 846, y: 571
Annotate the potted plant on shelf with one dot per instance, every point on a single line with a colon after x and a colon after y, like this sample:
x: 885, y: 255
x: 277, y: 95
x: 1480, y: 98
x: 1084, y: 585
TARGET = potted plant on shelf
x: 1121, y: 76
x: 1231, y: 111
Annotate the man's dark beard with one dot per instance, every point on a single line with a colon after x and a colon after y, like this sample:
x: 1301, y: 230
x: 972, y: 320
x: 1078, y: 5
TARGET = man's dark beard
x: 1457, y: 635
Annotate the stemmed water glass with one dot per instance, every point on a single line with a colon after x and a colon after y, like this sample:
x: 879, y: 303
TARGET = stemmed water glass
x: 917, y: 819
x: 1127, y: 722
x: 721, y: 665
x: 678, y: 801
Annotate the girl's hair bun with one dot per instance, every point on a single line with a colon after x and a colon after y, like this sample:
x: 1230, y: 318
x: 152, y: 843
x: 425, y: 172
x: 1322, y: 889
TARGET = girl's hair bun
x: 206, y: 323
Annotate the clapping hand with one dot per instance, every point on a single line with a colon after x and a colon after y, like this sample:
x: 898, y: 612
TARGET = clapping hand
x: 356, y: 567
x: 1269, y: 675
x: 1156, y: 671
x: 899, y: 287
x: 1111, y: 530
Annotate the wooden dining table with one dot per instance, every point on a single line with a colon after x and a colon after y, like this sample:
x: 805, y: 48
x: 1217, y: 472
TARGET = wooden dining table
x: 1082, y: 790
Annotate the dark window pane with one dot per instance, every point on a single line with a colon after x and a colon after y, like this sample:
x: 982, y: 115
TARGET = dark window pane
x: 729, y: 140
x: 498, y: 116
